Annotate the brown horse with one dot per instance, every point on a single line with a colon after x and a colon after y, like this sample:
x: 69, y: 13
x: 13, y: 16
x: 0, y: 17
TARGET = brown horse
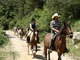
x: 21, y: 32
x: 59, y: 42
x: 32, y: 41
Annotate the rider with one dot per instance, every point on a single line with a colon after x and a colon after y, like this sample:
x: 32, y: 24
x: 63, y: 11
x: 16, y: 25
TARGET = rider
x: 33, y: 24
x: 55, y: 26
x: 32, y: 27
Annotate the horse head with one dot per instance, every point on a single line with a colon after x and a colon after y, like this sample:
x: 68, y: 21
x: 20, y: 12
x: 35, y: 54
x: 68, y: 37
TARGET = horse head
x: 36, y: 32
x: 67, y: 29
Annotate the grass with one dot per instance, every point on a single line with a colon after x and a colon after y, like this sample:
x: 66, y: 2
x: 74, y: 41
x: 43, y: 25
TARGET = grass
x: 8, y: 55
x: 6, y: 52
x: 73, y: 51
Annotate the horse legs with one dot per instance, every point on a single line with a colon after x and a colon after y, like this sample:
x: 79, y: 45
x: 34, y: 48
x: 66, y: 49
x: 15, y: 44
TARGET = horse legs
x: 36, y: 47
x: 59, y: 56
x: 45, y: 52
x: 28, y: 48
x: 48, y: 55
x: 33, y: 53
x: 20, y: 37
x: 14, y: 32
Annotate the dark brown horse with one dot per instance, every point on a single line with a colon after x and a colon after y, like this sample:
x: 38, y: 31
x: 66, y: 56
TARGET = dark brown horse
x: 59, y: 42
x: 32, y: 41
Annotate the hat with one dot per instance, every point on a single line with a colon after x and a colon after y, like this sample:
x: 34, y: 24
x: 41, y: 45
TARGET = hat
x: 33, y: 19
x: 56, y: 14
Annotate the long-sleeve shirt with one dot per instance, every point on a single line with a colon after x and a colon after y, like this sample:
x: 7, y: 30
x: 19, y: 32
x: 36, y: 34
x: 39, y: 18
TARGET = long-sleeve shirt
x: 56, y: 25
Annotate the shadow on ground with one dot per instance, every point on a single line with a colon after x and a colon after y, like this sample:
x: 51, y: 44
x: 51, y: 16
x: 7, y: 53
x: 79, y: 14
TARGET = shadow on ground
x: 39, y: 57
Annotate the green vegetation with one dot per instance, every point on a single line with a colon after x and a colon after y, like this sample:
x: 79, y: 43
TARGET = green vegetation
x: 73, y: 51
x: 4, y: 43
x: 3, y: 39
x: 76, y: 25
x: 8, y: 55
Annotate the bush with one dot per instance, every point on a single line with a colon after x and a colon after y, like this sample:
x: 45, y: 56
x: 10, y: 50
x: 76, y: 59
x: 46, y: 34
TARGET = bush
x: 3, y: 39
x: 11, y: 24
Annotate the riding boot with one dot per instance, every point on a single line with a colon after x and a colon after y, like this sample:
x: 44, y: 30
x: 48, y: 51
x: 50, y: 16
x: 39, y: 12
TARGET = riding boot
x: 66, y: 50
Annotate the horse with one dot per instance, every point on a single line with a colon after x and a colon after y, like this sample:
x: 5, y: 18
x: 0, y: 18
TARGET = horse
x: 15, y: 30
x: 32, y: 41
x: 20, y: 32
x: 59, y: 42
x: 26, y: 32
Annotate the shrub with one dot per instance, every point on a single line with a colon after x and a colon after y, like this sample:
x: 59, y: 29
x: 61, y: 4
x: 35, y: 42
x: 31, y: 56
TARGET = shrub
x: 3, y: 38
x: 11, y: 24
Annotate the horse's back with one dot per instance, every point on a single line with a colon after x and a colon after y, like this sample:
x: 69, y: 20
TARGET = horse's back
x: 47, y: 37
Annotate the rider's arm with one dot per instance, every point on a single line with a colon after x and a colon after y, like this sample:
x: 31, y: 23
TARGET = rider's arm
x: 31, y: 27
x: 51, y: 26
x: 55, y: 30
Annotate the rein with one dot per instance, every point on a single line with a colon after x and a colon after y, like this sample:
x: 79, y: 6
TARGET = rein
x: 62, y: 35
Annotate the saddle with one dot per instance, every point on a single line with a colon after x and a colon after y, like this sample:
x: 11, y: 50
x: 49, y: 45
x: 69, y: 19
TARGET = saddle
x: 29, y: 35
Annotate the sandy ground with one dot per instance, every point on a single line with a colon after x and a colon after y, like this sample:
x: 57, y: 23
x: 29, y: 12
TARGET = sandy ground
x: 20, y: 46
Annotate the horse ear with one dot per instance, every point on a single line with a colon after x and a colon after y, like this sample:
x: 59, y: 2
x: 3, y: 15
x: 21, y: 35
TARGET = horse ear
x: 64, y: 23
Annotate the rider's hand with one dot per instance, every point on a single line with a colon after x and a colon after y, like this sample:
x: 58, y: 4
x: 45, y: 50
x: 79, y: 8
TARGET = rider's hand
x: 32, y: 29
x: 57, y: 30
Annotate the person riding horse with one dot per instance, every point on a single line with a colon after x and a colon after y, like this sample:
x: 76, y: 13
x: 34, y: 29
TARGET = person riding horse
x: 32, y: 28
x: 55, y: 26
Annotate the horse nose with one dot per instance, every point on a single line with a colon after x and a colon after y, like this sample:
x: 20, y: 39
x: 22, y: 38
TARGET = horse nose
x: 71, y: 36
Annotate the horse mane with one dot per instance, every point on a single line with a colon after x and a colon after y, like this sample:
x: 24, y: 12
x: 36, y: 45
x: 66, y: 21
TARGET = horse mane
x: 62, y: 29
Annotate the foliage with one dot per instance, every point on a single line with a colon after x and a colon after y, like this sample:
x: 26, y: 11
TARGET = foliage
x: 73, y: 50
x: 3, y: 38
x: 12, y: 24
x: 40, y: 9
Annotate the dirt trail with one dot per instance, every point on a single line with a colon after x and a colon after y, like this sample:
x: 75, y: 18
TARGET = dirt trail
x: 20, y: 46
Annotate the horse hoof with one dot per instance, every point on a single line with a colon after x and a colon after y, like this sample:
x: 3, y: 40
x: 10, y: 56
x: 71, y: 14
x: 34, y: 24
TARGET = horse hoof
x: 34, y: 53
x: 45, y: 58
x: 48, y: 59
x: 32, y: 56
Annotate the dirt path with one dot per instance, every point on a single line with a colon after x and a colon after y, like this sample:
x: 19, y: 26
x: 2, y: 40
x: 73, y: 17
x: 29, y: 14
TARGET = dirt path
x: 20, y: 46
